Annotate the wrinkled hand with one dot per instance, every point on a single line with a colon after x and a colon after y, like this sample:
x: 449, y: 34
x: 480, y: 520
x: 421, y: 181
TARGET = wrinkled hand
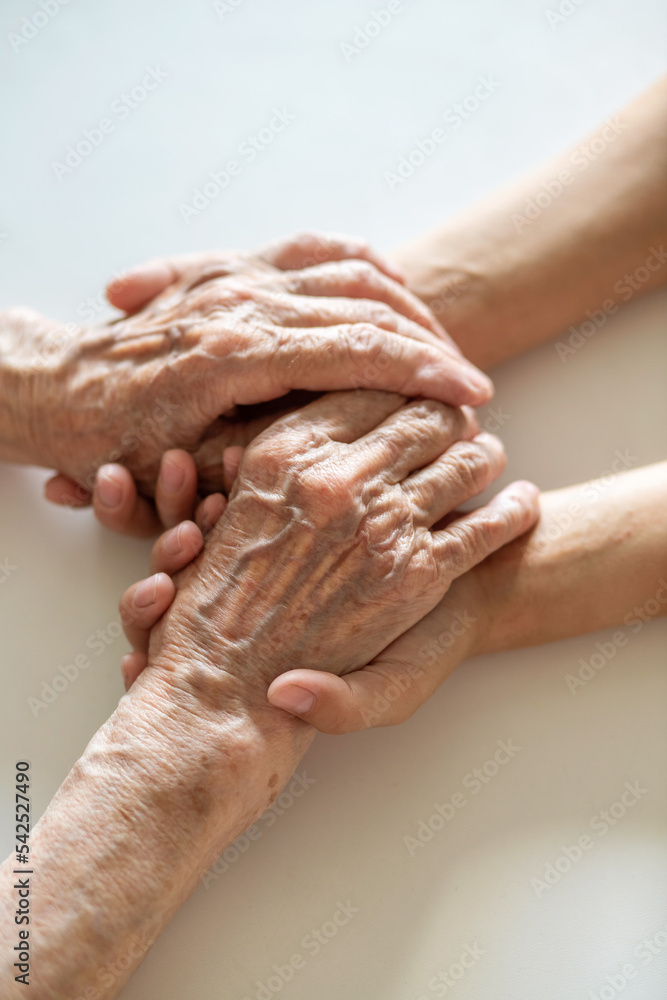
x: 389, y: 689
x: 326, y: 550
x: 143, y: 282
x: 233, y: 330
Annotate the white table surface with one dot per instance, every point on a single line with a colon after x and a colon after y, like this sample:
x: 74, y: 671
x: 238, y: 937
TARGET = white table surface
x: 342, y: 840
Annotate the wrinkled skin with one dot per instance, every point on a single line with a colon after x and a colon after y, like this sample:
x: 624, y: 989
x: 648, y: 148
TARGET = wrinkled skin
x: 239, y: 331
x: 326, y: 550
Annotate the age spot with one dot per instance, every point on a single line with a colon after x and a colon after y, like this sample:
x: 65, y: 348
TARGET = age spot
x: 272, y: 780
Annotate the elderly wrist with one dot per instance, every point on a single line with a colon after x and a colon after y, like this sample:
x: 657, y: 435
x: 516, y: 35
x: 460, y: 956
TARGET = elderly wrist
x: 32, y: 352
x: 210, y: 707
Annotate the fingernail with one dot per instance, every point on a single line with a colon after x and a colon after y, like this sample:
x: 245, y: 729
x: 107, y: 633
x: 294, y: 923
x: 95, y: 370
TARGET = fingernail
x: 525, y: 493
x: 172, y: 542
x: 109, y: 492
x: 293, y: 699
x: 172, y: 475
x: 480, y: 386
x: 144, y: 595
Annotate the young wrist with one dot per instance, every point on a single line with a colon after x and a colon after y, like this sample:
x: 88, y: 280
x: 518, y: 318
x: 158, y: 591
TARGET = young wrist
x: 456, y: 278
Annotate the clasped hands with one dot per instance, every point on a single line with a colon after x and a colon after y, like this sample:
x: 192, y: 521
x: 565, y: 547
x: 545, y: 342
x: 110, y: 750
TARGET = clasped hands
x: 332, y: 527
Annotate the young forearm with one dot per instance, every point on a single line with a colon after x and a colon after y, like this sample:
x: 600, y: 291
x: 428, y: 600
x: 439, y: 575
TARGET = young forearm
x: 586, y: 231
x: 160, y: 790
x: 597, y: 558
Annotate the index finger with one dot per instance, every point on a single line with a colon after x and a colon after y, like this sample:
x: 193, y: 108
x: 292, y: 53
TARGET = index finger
x: 338, y: 416
x: 360, y: 279
x: 308, y: 248
x: 361, y: 355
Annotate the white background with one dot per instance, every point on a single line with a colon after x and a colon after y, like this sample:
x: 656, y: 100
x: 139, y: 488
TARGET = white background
x: 343, y: 839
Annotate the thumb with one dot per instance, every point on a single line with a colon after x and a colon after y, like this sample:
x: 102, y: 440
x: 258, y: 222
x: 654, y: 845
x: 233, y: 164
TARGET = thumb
x: 136, y: 287
x: 359, y: 700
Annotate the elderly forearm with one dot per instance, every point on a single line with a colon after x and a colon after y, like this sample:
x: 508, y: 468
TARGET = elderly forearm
x: 160, y: 790
x: 585, y: 232
x: 30, y: 347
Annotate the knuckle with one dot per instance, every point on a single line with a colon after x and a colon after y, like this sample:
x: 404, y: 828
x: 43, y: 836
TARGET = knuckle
x: 393, y: 447
x: 325, y: 487
x: 379, y: 314
x: 207, y: 274
x: 215, y: 293
x: 472, y: 468
x: 313, y: 246
x: 267, y: 458
x: 432, y: 416
x: 307, y: 240
x: 365, y: 342
x: 464, y: 546
x: 486, y: 533
x: 306, y: 479
x: 363, y: 273
x: 233, y: 339
x: 510, y: 521
x: 330, y: 503
x: 355, y: 245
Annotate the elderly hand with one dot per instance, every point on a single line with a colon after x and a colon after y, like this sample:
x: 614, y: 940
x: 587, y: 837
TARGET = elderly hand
x: 240, y: 331
x: 143, y: 282
x: 326, y: 550
x: 340, y: 284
